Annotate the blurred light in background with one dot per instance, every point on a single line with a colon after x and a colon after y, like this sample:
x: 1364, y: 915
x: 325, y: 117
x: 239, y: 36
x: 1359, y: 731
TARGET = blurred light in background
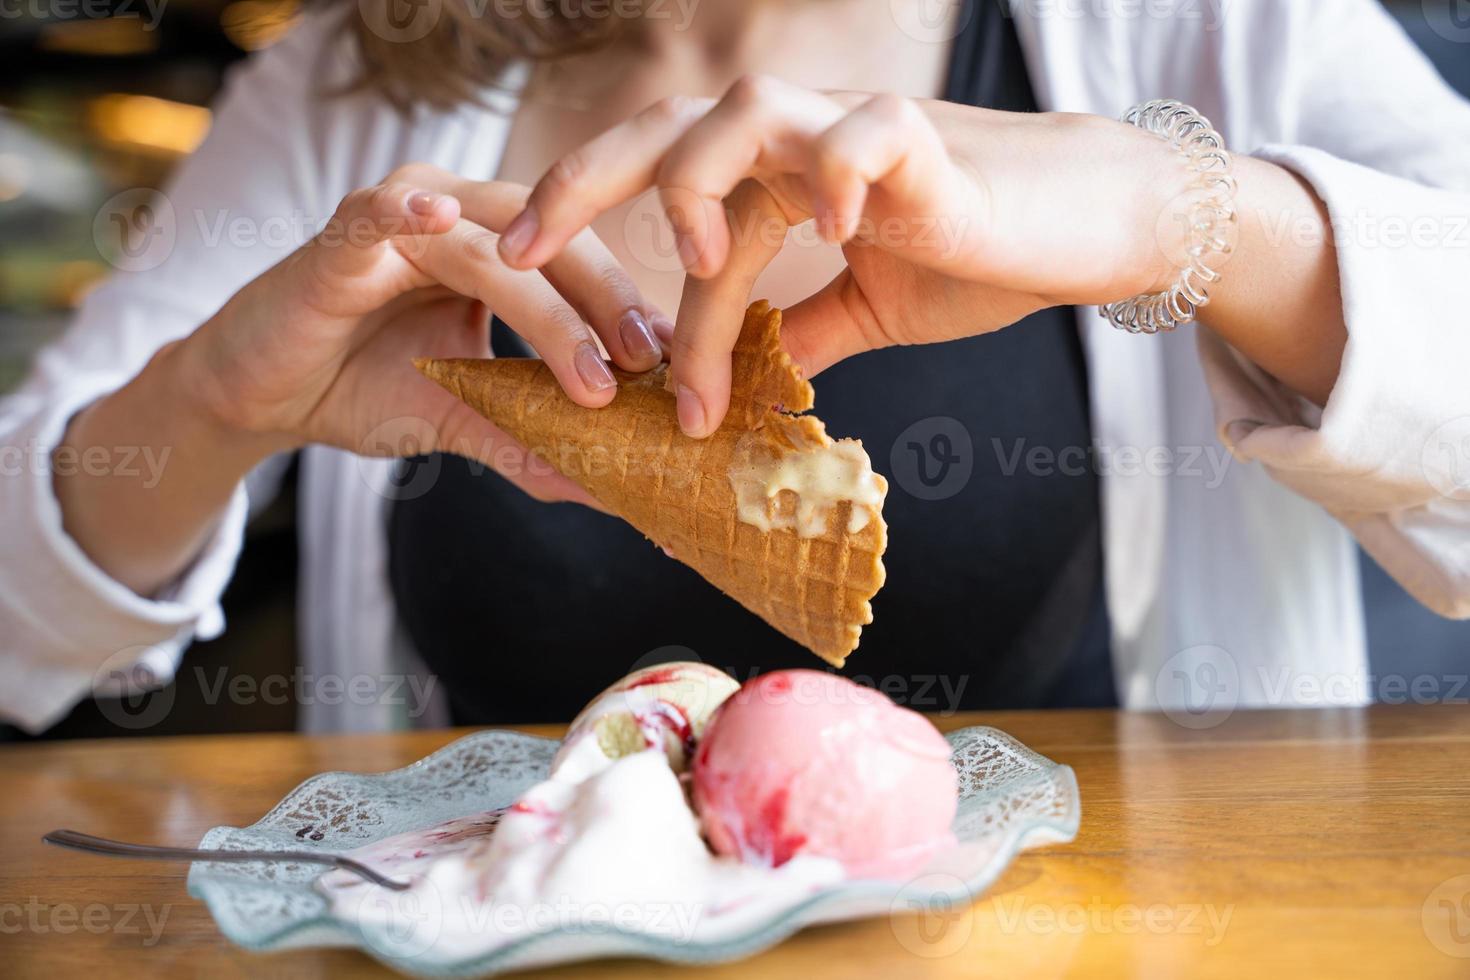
x: 149, y: 123
x: 115, y: 36
x: 15, y: 174
x: 256, y: 24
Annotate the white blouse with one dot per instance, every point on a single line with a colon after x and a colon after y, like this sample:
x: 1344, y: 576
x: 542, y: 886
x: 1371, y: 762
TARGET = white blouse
x: 1236, y: 572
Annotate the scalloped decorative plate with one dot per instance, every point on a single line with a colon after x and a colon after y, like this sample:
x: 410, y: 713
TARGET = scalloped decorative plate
x: 1011, y: 799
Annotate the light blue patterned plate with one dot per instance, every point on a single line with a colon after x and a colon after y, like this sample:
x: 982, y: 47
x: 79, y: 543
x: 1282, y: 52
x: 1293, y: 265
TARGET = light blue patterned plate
x: 1010, y: 799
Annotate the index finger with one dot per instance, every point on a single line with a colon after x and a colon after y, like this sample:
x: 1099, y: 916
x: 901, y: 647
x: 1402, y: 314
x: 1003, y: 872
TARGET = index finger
x: 612, y: 168
x: 584, y: 272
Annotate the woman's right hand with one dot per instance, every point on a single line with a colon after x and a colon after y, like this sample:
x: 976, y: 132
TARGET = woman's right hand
x: 319, y: 348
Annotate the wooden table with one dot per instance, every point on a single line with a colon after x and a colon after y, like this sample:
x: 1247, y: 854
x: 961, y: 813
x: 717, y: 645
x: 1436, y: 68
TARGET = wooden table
x: 1279, y: 843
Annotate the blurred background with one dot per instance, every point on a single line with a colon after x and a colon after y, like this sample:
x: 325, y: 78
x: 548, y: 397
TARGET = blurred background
x: 101, y: 96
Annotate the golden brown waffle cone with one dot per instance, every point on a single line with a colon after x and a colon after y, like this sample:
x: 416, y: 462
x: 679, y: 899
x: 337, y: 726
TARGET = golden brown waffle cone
x: 632, y: 457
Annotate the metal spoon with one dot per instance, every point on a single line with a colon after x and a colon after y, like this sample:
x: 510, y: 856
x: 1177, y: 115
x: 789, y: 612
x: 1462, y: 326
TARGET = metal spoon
x: 115, y: 848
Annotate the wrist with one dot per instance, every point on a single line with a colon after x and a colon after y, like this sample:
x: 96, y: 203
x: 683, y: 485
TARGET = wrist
x: 143, y: 523
x: 1134, y: 213
x: 203, y: 372
x: 1168, y: 193
x: 178, y: 376
x: 1196, y: 228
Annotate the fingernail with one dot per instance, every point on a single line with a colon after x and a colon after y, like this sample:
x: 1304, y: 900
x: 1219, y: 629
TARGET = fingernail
x: 423, y: 202
x: 591, y: 368
x: 519, y: 235
x: 638, y: 338
x: 691, y: 412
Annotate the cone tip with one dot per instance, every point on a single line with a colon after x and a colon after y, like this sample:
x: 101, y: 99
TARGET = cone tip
x: 431, y: 368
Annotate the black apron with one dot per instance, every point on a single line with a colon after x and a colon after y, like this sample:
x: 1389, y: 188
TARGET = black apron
x: 994, y: 594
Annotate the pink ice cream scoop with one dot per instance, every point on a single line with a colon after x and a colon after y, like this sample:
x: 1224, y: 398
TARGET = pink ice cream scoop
x: 804, y: 762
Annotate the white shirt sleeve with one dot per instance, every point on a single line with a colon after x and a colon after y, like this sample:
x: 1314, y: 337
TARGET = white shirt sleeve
x: 1383, y: 141
x: 238, y: 205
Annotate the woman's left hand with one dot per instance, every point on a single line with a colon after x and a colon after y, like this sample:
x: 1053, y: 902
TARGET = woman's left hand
x: 954, y: 220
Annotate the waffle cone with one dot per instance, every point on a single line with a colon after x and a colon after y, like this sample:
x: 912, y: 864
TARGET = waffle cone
x: 678, y: 491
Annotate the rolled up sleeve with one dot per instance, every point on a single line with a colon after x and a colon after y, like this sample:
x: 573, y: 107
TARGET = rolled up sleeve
x: 1369, y: 124
x: 71, y: 630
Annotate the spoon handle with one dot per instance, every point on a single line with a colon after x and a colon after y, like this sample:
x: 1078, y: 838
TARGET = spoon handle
x: 116, y: 848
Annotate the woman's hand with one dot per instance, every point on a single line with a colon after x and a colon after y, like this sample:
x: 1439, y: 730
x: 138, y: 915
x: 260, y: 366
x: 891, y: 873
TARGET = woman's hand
x: 319, y: 349
x: 954, y: 221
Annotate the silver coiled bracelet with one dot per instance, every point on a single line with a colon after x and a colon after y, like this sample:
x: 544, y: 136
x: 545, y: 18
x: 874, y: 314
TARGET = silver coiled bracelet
x: 1211, y: 220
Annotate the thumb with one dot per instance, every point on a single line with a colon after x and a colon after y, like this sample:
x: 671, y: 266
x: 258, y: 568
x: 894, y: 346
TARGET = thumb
x: 712, y: 310
x: 831, y: 325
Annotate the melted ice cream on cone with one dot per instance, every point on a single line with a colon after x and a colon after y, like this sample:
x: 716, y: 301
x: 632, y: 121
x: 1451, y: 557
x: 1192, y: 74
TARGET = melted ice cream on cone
x: 769, y: 509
